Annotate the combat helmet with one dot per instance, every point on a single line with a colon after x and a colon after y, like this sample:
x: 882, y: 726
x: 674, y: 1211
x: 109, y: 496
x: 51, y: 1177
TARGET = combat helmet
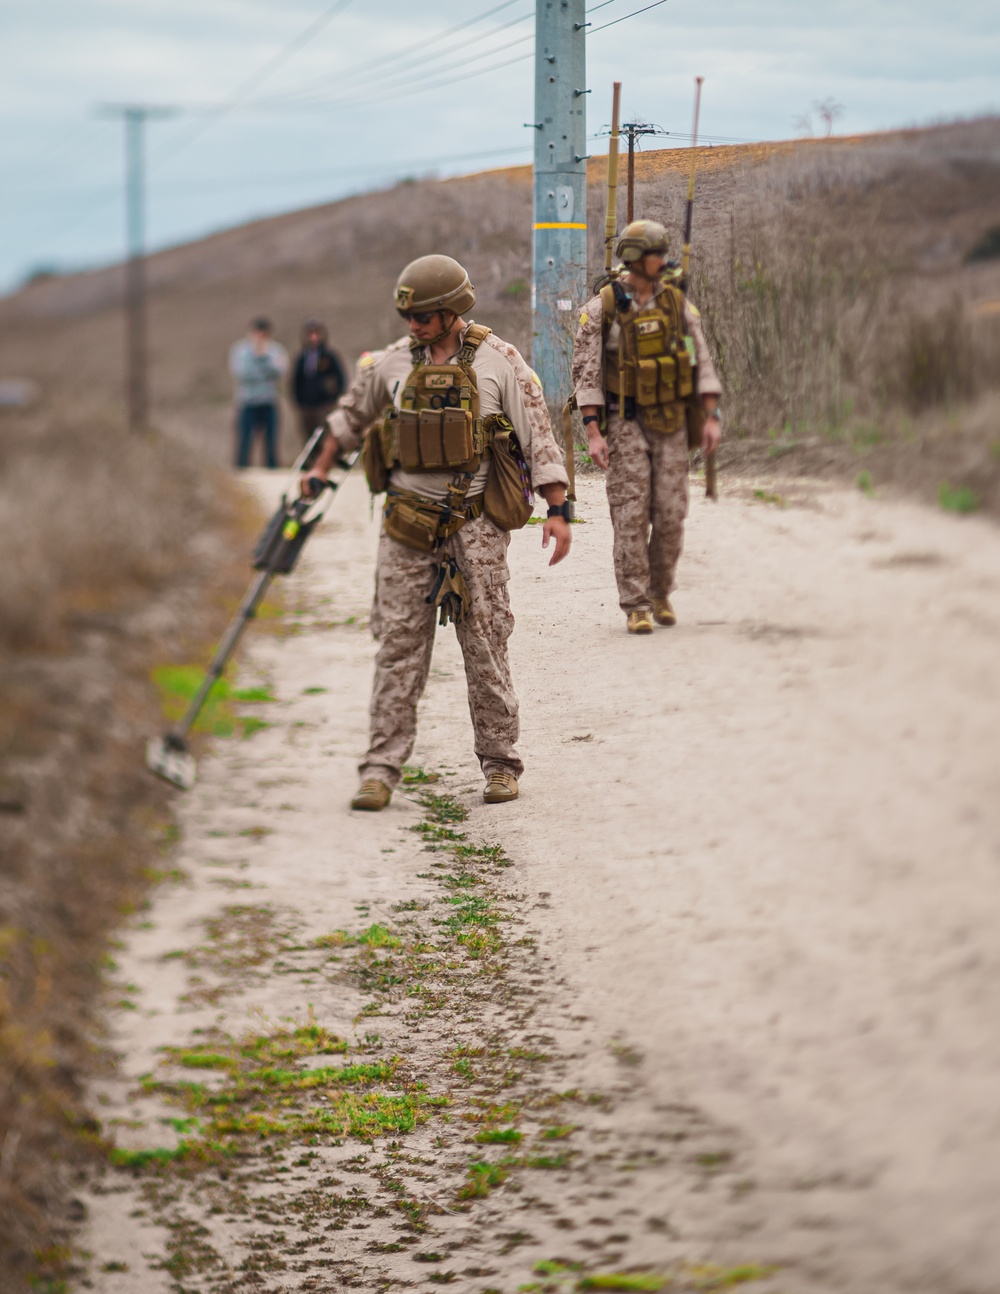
x: 434, y: 283
x: 640, y: 237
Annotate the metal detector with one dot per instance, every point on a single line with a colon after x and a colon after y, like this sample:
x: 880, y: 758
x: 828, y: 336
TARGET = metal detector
x: 278, y: 549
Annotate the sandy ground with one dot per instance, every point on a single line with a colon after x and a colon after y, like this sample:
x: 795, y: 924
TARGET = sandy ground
x: 760, y: 859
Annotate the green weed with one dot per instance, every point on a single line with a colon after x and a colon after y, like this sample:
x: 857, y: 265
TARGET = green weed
x: 864, y: 483
x: 499, y: 1136
x: 483, y: 1177
x: 708, y: 1276
x: 765, y: 496
x: 957, y: 498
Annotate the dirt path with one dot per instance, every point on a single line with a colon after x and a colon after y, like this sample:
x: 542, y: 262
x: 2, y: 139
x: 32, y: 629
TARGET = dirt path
x: 723, y: 1000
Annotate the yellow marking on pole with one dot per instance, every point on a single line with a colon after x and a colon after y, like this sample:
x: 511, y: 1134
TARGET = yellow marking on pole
x: 562, y: 224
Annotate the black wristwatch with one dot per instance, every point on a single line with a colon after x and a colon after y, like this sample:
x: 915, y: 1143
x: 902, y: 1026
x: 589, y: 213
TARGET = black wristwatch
x: 591, y: 417
x: 561, y: 510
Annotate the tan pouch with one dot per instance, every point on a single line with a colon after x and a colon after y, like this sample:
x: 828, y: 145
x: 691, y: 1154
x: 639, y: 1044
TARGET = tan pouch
x: 667, y: 384
x: 429, y: 434
x: 457, y: 439
x: 373, y: 459
x: 410, y: 525
x: 649, y: 337
x: 507, y: 498
x: 664, y: 419
x: 646, y: 382
x: 407, y: 439
x: 685, y: 380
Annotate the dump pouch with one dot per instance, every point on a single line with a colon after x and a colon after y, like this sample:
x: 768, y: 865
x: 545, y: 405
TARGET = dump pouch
x: 507, y: 499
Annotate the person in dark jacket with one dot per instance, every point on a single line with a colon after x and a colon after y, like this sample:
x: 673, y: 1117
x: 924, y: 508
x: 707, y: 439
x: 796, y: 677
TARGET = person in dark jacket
x: 318, y: 380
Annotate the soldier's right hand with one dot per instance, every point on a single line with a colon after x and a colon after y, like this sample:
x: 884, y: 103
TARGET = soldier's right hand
x: 307, y: 483
x: 597, y: 448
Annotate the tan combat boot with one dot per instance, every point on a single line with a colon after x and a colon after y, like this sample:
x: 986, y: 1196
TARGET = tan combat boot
x: 501, y: 786
x: 639, y: 622
x: 373, y: 796
x: 663, y: 612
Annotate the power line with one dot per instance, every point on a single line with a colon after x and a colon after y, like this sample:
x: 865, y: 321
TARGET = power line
x: 625, y: 17
x: 360, y: 71
x: 250, y: 84
x: 387, y: 89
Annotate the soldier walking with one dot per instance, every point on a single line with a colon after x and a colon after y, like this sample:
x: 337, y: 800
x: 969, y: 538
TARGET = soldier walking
x: 645, y: 383
x: 455, y: 431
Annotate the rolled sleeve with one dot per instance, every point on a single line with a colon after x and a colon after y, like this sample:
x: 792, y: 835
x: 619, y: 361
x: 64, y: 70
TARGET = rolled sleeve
x: 360, y: 405
x: 588, y: 355
x: 708, y: 379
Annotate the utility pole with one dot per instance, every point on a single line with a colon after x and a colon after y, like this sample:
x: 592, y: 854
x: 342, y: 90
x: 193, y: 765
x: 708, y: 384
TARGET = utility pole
x: 559, y: 243
x: 635, y: 130
x: 135, y: 116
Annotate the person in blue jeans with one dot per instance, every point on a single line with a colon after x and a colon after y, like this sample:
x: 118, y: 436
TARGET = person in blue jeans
x: 257, y: 363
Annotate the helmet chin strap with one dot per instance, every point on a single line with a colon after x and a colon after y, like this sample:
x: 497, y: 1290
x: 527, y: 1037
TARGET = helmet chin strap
x: 433, y: 341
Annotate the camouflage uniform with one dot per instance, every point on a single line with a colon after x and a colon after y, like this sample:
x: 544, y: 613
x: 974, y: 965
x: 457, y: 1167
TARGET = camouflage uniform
x: 647, y: 477
x: 402, y: 621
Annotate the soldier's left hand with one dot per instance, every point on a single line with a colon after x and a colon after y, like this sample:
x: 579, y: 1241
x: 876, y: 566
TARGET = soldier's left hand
x: 557, y: 528
x: 710, y: 436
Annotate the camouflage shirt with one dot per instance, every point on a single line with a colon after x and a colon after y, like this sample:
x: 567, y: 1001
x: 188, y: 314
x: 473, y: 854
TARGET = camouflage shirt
x: 590, y: 351
x: 506, y: 385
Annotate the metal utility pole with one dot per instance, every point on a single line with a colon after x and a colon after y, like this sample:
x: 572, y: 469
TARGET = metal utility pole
x: 135, y: 116
x: 559, y: 257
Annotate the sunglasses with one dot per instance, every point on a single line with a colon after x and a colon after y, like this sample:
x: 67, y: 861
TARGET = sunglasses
x: 423, y: 316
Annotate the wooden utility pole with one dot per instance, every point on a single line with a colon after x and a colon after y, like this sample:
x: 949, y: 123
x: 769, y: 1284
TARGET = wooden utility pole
x: 135, y: 116
x: 635, y: 130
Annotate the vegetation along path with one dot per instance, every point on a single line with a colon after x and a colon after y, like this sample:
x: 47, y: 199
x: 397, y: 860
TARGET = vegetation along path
x: 713, y: 1004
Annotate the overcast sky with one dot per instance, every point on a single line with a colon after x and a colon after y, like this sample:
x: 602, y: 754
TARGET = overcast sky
x: 357, y: 105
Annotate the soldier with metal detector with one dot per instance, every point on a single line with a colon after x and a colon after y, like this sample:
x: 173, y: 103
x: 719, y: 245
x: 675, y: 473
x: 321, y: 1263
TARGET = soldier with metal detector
x: 454, y: 429
x: 648, y: 392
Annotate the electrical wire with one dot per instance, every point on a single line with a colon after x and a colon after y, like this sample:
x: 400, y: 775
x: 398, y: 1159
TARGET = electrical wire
x: 398, y: 81
x: 635, y: 12
x: 413, y: 55
x: 256, y: 78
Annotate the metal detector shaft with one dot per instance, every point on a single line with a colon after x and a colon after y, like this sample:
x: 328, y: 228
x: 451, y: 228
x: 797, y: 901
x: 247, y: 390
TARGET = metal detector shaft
x: 248, y: 609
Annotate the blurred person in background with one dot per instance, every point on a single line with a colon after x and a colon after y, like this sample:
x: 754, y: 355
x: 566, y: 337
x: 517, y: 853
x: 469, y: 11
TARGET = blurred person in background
x: 318, y: 379
x: 257, y: 363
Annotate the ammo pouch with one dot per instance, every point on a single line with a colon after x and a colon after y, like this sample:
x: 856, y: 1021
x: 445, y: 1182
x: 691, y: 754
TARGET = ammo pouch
x: 508, y: 500
x: 654, y: 363
x: 437, y: 440
x: 421, y: 523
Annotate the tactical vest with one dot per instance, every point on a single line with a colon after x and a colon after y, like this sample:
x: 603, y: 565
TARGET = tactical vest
x: 438, y: 427
x: 654, y: 369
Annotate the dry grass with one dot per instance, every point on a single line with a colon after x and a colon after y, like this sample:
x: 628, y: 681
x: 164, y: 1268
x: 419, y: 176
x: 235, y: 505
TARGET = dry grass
x: 110, y: 546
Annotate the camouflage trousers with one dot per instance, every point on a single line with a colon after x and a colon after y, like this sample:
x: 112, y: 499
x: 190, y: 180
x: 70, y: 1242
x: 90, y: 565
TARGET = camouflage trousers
x: 647, y: 483
x: 404, y: 625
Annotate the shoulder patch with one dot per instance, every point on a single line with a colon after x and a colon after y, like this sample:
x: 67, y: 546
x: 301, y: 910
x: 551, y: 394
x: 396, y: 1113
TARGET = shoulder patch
x: 366, y: 360
x: 694, y: 310
x: 536, y: 379
x: 583, y: 318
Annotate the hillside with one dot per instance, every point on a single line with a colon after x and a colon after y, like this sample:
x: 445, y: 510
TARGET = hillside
x: 857, y: 239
